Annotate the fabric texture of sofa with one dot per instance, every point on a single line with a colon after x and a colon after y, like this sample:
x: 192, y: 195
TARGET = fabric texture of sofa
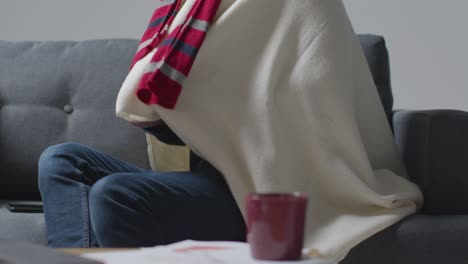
x: 54, y: 92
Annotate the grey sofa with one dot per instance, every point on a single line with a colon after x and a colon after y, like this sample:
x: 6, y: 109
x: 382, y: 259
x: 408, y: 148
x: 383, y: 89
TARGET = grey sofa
x: 53, y: 92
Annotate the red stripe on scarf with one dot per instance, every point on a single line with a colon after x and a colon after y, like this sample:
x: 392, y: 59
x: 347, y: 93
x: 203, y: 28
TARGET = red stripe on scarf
x: 159, y: 13
x: 159, y: 29
x: 208, y: 13
x: 193, y: 37
x: 180, y: 61
x: 157, y: 88
x: 158, y: 94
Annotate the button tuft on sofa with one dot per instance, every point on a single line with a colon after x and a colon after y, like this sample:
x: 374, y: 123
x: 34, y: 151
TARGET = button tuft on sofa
x: 68, y: 109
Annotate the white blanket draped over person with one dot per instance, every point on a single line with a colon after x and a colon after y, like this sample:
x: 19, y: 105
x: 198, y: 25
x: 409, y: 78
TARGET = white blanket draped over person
x: 280, y: 99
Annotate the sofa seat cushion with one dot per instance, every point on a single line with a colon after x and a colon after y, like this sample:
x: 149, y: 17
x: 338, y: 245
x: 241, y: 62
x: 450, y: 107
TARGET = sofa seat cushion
x: 28, y: 227
x: 423, y: 239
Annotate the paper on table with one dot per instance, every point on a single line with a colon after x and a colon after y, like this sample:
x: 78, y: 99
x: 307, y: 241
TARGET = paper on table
x: 192, y: 252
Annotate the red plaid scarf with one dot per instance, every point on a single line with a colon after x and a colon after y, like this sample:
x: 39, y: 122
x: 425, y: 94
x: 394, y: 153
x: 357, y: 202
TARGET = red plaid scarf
x: 163, y: 78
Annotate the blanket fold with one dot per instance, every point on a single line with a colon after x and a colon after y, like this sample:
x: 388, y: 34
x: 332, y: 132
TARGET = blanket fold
x: 281, y: 99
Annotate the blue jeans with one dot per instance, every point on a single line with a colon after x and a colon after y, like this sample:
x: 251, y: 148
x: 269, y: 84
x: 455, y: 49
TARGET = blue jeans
x: 94, y: 200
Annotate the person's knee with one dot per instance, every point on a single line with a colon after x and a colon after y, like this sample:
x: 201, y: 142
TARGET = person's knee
x: 110, y: 200
x: 60, y: 150
x: 49, y: 157
x: 109, y: 193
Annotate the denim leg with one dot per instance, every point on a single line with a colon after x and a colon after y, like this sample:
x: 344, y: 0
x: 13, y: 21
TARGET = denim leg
x: 66, y: 174
x: 155, y: 208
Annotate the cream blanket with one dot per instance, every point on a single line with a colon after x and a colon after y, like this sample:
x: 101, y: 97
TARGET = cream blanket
x: 280, y: 99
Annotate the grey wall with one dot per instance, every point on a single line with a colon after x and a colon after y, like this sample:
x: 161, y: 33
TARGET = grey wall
x: 426, y: 38
x: 428, y: 44
x: 73, y: 19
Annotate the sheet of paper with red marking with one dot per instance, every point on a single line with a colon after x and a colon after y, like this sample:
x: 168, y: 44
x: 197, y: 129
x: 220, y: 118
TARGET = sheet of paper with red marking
x: 192, y: 252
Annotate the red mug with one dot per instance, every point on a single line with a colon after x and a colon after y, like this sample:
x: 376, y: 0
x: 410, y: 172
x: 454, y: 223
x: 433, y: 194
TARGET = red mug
x: 275, y: 225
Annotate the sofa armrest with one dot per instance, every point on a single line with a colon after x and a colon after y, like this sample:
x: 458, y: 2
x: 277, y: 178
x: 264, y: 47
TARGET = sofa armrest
x: 434, y: 146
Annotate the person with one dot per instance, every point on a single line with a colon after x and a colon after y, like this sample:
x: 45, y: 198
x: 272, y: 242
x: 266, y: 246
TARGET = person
x: 92, y: 199
x: 279, y: 99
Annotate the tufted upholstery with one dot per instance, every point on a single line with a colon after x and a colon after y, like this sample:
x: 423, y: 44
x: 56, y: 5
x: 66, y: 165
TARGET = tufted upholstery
x: 53, y: 92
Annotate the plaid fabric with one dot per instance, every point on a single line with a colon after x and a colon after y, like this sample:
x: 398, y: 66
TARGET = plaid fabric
x: 163, y: 78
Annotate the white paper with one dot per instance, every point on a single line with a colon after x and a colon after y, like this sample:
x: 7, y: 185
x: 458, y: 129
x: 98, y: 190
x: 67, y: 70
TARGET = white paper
x: 192, y: 252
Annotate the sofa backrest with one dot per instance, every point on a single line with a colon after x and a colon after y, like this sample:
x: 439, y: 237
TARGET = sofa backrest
x: 376, y: 52
x: 54, y: 92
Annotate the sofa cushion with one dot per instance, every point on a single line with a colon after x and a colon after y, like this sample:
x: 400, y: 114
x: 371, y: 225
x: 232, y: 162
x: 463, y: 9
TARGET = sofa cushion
x: 28, y: 227
x: 54, y: 92
x: 418, y: 239
x: 376, y: 53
